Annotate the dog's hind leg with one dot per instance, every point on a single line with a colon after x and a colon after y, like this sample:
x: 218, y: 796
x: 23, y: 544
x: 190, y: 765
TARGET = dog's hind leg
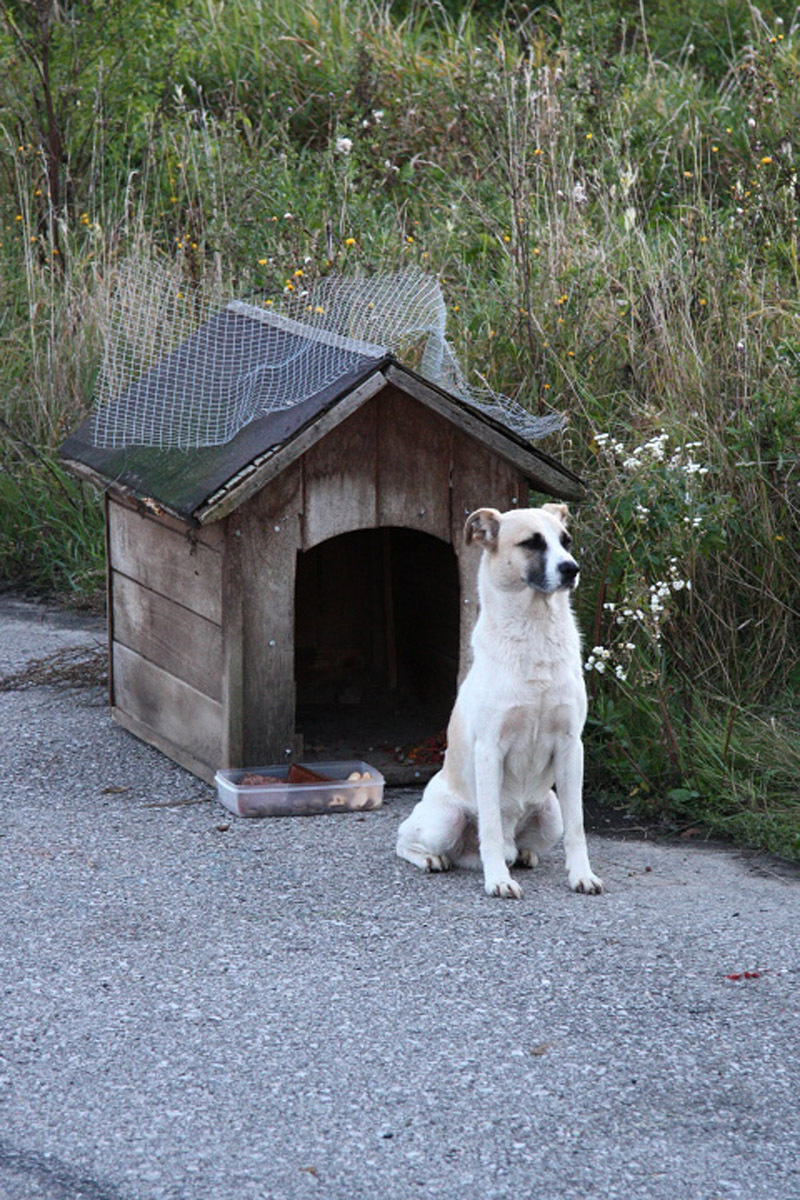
x: 540, y: 832
x: 431, y: 834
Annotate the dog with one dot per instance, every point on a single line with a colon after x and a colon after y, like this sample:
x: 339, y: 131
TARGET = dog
x: 512, y: 778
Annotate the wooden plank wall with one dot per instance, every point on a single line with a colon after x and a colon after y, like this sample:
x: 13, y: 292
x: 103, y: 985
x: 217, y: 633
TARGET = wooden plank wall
x: 166, y: 635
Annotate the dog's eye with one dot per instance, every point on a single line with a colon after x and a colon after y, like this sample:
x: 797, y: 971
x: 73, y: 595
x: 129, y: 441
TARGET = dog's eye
x: 566, y: 540
x: 534, y: 542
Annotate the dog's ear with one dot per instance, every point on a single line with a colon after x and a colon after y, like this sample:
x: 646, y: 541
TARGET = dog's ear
x: 483, y: 526
x: 559, y: 511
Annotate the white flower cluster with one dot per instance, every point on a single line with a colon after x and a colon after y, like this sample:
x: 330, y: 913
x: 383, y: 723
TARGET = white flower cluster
x: 600, y: 660
x: 639, y: 621
x: 681, y: 461
x: 661, y: 591
x: 646, y: 619
x: 654, y: 450
x: 658, y: 594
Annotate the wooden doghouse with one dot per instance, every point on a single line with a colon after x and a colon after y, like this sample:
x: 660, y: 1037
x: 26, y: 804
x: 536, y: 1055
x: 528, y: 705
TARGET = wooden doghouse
x: 303, y: 589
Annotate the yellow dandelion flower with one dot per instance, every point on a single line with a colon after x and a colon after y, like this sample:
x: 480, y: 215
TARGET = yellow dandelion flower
x: 349, y: 241
x: 766, y: 160
x: 262, y: 262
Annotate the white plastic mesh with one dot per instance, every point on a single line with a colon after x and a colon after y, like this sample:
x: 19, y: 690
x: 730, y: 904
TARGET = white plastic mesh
x: 176, y: 373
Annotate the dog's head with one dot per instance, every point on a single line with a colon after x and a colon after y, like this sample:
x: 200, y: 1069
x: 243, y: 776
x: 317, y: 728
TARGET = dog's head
x: 526, y: 547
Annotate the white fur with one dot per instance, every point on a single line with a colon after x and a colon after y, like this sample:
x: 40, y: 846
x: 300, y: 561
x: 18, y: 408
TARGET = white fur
x: 515, y: 731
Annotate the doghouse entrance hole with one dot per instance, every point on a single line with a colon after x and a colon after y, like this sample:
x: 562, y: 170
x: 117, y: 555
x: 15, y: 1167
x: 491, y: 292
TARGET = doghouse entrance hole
x: 376, y: 642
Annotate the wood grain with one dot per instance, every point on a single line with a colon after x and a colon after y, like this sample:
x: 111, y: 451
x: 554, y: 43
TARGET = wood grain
x: 179, y: 641
x: 170, y: 563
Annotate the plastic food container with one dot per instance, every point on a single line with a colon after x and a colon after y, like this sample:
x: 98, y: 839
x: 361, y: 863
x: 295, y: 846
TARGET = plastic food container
x: 300, y: 790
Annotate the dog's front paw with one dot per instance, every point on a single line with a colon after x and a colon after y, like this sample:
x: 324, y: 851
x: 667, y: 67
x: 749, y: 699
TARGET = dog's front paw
x: 437, y: 862
x: 506, y: 889
x: 586, y: 882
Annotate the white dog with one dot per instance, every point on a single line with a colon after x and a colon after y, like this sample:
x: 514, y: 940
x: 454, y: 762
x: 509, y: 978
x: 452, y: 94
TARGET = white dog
x: 515, y: 730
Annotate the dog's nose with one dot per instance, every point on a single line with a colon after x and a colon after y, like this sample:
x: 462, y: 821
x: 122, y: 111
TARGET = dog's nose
x: 569, y: 572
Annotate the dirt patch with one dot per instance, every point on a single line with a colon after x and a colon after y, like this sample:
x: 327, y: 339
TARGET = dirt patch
x: 72, y: 667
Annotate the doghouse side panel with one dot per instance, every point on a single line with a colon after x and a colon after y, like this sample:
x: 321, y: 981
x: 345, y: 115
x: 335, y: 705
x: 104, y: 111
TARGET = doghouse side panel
x: 186, y: 645
x: 168, y: 713
x: 171, y: 563
x: 166, y: 662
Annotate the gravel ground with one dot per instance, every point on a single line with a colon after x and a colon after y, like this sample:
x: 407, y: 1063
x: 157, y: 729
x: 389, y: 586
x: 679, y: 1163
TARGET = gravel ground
x: 194, y: 1006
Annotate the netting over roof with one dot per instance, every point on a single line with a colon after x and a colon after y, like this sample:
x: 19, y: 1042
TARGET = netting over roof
x: 175, y: 374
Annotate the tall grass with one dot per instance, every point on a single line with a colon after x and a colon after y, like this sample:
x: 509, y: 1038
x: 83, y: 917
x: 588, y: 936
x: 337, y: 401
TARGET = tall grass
x: 612, y: 211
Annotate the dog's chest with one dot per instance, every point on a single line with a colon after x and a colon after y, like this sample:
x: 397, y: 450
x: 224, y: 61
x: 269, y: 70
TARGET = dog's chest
x: 528, y: 746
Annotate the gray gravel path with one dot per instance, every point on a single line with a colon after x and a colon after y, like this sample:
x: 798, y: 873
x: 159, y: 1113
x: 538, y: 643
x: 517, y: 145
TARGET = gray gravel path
x: 194, y: 1006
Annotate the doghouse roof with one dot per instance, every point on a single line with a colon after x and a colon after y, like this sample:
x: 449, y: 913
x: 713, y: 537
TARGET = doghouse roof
x: 203, y: 485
